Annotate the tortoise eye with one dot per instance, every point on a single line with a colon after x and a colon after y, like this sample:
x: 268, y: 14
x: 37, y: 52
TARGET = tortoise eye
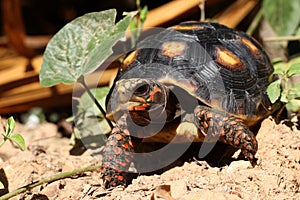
x: 142, y: 90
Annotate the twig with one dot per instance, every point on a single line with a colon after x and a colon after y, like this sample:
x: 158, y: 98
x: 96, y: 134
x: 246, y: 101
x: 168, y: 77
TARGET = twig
x: 255, y: 22
x: 47, y: 180
x: 202, y: 10
x: 82, y: 81
x: 282, y: 38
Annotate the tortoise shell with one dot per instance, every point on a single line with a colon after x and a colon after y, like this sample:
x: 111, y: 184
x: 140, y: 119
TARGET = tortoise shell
x: 221, y: 67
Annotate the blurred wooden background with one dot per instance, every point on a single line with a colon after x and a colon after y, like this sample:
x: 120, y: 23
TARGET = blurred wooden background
x: 24, y: 36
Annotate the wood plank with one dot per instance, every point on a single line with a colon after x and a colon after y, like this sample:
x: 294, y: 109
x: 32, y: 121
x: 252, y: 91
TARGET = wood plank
x: 34, y: 91
x: 14, y: 68
x: 236, y: 12
x: 14, y: 27
x: 53, y: 101
x: 169, y: 11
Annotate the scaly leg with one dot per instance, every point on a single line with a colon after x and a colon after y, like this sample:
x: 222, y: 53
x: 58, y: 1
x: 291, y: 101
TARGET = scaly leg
x: 117, y: 155
x: 227, y: 129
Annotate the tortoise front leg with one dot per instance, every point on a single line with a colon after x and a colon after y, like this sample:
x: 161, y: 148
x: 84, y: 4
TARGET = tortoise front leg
x: 227, y: 129
x: 117, y: 155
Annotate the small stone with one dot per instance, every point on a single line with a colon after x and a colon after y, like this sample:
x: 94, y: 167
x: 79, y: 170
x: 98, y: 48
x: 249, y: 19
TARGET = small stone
x: 51, y: 191
x: 239, y: 165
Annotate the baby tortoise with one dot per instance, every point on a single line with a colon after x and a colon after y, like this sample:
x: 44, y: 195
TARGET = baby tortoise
x: 210, y: 77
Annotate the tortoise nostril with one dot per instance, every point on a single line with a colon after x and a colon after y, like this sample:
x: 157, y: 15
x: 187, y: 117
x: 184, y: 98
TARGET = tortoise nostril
x: 142, y: 90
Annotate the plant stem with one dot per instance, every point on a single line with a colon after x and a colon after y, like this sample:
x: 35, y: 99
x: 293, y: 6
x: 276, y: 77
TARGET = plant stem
x: 255, y: 22
x: 47, y: 180
x: 282, y: 38
x: 82, y: 81
x: 202, y: 10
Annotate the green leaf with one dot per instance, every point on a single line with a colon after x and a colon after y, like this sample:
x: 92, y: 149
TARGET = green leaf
x: 88, y: 113
x: 284, y: 96
x: 143, y: 14
x: 89, y: 127
x: 283, y: 15
x: 276, y: 60
x: 293, y: 105
x: 279, y: 68
x: 273, y: 90
x: 10, y: 126
x: 297, y: 32
x: 293, y: 69
x: 81, y: 46
x: 86, y: 103
x: 19, y: 140
x: 294, y: 92
x: 295, y: 60
x: 103, y: 49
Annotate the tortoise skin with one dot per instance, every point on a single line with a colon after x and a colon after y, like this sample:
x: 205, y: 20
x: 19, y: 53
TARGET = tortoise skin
x: 224, y: 70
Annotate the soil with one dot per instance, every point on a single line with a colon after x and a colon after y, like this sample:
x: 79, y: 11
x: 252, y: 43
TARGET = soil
x: 277, y: 175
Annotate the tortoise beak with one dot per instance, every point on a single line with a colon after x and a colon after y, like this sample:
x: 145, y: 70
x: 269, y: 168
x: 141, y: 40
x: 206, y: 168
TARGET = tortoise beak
x: 117, y: 112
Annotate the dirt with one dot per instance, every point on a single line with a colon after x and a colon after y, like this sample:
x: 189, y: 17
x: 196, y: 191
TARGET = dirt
x: 277, y: 175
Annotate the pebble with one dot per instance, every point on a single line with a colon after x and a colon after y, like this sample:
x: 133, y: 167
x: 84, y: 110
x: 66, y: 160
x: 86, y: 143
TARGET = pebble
x: 238, y: 165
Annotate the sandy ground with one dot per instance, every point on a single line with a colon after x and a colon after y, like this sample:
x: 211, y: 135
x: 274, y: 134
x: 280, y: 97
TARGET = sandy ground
x: 277, y: 175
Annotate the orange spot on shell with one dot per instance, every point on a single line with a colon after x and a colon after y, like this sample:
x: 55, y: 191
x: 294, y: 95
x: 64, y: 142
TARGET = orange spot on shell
x: 172, y: 49
x: 250, y: 46
x: 129, y: 59
x: 186, y: 27
x: 227, y: 59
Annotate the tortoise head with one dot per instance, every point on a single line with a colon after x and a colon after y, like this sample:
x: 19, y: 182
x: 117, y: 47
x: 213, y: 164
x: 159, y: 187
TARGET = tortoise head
x: 144, y: 99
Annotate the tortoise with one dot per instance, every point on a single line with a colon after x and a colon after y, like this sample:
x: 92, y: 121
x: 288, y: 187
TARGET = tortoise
x: 202, y: 81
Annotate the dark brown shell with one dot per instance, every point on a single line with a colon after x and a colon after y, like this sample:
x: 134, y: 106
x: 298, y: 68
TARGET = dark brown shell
x: 223, y: 68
